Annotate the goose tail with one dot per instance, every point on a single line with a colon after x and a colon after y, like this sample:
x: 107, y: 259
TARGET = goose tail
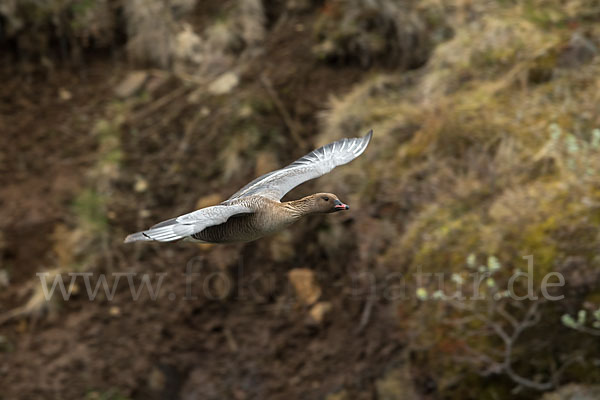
x: 137, y: 237
x: 166, y: 231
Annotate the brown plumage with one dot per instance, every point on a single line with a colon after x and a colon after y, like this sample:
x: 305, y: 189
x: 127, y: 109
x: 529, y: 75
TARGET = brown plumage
x: 256, y: 210
x: 270, y: 217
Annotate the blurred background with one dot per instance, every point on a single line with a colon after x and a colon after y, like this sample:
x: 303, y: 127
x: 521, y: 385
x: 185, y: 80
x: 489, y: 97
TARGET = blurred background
x: 117, y: 114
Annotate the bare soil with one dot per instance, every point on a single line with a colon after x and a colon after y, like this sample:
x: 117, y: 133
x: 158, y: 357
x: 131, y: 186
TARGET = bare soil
x: 255, y: 343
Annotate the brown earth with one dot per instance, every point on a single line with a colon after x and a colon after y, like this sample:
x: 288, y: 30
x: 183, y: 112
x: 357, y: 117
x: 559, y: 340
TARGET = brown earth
x: 255, y: 343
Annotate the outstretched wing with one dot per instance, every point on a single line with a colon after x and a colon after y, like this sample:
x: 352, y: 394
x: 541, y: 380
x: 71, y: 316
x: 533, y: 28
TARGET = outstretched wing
x: 313, y: 165
x: 188, y: 224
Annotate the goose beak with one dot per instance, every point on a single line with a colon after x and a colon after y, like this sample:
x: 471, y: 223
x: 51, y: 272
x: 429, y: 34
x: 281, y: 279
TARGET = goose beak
x: 339, y: 206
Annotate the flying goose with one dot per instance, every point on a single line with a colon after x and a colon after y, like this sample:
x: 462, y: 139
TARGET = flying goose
x: 256, y: 210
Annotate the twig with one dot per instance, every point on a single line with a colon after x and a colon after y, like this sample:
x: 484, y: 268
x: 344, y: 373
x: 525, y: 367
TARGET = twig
x: 509, y: 338
x: 366, y: 314
x: 589, y: 331
x: 189, y: 131
x: 7, y: 316
x: 158, y: 103
x: 285, y: 115
x: 513, y: 322
x: 231, y: 342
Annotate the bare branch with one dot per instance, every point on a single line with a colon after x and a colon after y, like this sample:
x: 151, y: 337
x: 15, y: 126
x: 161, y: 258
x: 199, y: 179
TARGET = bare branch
x: 487, y: 364
x: 285, y: 115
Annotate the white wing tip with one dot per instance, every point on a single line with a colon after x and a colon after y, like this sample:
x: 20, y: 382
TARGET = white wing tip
x: 368, y: 137
x: 136, y: 237
x: 161, y: 234
x: 363, y: 143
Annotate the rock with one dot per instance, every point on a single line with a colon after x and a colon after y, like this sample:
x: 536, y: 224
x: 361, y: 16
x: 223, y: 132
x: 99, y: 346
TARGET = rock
x: 64, y: 94
x: 341, y: 395
x: 319, y: 311
x: 224, y: 83
x: 141, y: 185
x: 306, y: 288
x: 205, y: 112
x: 282, y: 246
x: 579, y: 51
x: 188, y: 46
x: 132, y: 84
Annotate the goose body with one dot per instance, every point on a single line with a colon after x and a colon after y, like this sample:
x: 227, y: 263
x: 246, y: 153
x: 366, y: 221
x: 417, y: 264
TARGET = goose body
x: 256, y: 210
x: 269, y: 217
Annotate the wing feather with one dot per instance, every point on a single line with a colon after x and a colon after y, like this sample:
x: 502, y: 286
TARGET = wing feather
x: 313, y: 165
x: 189, y: 224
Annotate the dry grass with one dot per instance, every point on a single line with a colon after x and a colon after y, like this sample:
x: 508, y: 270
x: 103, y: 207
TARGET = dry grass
x: 151, y: 30
x: 157, y: 32
x: 396, y: 32
x: 492, y: 149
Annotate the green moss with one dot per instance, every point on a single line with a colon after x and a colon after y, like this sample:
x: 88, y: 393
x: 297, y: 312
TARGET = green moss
x: 492, y: 57
x: 546, y: 16
x: 536, y: 240
x: 108, y: 131
x: 79, y: 7
x: 79, y: 10
x: 90, y: 208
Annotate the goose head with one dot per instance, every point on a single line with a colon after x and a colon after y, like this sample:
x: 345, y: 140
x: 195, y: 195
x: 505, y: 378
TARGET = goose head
x: 326, y: 203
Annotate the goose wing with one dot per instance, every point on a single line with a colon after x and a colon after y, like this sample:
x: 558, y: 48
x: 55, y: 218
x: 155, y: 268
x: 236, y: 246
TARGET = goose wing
x: 313, y: 165
x: 188, y: 224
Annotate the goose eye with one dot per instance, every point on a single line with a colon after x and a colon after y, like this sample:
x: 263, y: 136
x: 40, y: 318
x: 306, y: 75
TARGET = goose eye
x: 326, y: 198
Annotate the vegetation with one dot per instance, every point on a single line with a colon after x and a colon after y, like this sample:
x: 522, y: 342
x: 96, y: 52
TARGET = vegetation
x: 484, y: 166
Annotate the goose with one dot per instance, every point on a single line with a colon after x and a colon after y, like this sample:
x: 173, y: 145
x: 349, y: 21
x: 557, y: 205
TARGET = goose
x: 256, y: 209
